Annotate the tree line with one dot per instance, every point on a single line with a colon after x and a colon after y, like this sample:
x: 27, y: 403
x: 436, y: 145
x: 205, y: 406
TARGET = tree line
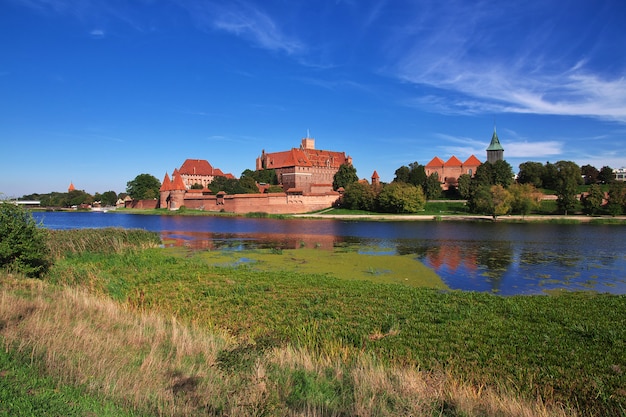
x: 495, y: 191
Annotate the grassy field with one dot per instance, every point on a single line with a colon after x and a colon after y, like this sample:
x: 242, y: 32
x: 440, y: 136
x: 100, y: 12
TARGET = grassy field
x: 171, y: 332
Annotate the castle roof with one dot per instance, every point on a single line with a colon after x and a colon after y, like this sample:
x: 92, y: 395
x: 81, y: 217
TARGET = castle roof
x: 304, y: 157
x: 495, y: 142
x: 472, y: 161
x: 71, y: 187
x: 177, y: 181
x: 375, y: 174
x: 196, y: 167
x: 435, y: 162
x: 167, y: 184
x: 453, y: 162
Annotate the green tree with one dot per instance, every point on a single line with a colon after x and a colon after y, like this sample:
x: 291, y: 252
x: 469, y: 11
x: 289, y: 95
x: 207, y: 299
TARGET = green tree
x: 497, y: 173
x: 525, y: 198
x: 606, y: 175
x: 196, y: 186
x: 568, y: 178
x: 344, y: 176
x: 23, y: 245
x: 143, y: 187
x: 617, y: 198
x: 247, y: 185
x: 592, y: 202
x: 590, y: 173
x: 78, y: 197
x: 432, y: 187
x: 531, y: 173
x: 464, y: 185
x: 399, y: 197
x: 494, y: 200
x: 417, y: 174
x: 402, y: 174
x: 109, y: 198
x: 263, y: 176
x: 550, y: 174
x: 359, y: 196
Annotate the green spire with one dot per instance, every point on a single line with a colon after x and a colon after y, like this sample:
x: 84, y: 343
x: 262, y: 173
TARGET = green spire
x: 495, y: 142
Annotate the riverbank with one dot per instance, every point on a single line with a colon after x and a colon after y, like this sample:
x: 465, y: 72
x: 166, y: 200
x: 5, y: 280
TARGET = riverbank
x: 468, y: 217
x: 459, y: 217
x: 168, y: 332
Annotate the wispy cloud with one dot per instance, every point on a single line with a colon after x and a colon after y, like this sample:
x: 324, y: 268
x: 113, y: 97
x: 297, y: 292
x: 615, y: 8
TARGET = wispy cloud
x: 462, y: 146
x: 471, y: 64
x: 245, y: 20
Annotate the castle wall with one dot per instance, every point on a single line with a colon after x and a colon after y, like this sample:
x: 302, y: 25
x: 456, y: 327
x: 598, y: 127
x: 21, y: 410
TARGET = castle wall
x: 142, y: 204
x: 272, y: 203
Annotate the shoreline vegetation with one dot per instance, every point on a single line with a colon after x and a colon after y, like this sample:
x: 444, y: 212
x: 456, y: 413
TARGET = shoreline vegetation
x: 125, y: 327
x: 438, y: 211
x: 442, y: 215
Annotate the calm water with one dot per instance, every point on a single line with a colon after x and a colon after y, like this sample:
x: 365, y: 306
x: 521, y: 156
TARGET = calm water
x: 504, y: 258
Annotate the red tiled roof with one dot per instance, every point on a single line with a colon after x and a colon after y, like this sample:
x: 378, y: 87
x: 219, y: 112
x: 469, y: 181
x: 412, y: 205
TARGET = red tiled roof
x: 196, y: 167
x: 453, y: 162
x: 472, y: 161
x: 167, y: 184
x: 177, y: 181
x: 375, y: 174
x: 71, y: 187
x: 305, y: 158
x: 435, y: 162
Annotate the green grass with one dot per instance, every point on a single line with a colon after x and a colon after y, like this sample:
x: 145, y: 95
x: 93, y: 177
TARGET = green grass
x: 25, y: 392
x: 569, y: 348
x: 341, y: 306
x: 109, y: 240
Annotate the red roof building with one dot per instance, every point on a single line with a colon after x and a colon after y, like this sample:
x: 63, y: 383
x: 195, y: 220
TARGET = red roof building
x: 450, y: 171
x: 199, y: 171
x: 305, y: 168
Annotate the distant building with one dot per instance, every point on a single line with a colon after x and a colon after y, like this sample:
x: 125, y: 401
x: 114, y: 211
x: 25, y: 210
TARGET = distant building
x: 304, y: 169
x: 71, y: 187
x: 199, y: 171
x: 450, y: 171
x: 620, y: 174
x: 495, y: 151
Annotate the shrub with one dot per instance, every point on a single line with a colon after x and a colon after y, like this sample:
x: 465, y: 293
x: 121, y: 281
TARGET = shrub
x: 23, y: 246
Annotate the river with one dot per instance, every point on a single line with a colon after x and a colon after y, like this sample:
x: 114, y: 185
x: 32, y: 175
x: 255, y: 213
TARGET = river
x: 503, y: 258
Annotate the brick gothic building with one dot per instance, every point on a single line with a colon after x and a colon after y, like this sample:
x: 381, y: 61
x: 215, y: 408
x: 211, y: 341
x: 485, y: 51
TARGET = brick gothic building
x: 450, y: 171
x: 199, y: 171
x: 304, y: 169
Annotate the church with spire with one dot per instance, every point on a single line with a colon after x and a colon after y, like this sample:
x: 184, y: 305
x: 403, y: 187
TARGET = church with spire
x: 495, y: 151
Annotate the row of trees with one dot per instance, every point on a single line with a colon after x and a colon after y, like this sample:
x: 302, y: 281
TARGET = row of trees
x: 494, y: 191
x: 397, y: 197
x: 545, y: 175
x: 75, y: 198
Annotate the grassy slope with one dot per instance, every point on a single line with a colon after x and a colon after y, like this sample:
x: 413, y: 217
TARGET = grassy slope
x: 567, y: 348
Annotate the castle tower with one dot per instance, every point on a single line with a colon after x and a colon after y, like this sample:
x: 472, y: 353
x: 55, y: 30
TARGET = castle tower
x: 375, y: 179
x: 495, y: 151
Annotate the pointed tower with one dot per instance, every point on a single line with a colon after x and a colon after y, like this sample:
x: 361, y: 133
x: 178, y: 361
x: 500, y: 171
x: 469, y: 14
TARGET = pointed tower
x: 164, y: 192
x: 495, y: 151
x: 375, y: 179
x: 71, y: 187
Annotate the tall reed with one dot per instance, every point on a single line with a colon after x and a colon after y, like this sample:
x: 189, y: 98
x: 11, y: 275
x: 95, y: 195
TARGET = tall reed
x: 107, y: 240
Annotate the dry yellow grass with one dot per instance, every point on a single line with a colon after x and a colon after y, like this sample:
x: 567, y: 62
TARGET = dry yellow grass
x: 159, y: 365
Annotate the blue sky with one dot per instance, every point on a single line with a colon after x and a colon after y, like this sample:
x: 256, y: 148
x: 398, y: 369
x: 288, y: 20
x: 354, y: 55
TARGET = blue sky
x: 99, y: 91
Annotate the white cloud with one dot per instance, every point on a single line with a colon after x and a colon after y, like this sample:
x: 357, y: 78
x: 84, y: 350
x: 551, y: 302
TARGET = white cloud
x: 245, y: 20
x: 458, y: 54
x: 97, y: 33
